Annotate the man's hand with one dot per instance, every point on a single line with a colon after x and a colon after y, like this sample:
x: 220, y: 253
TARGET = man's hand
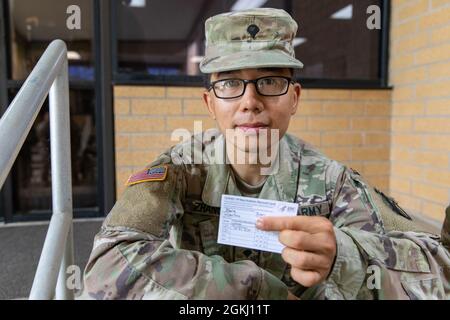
x: 291, y: 296
x: 310, y: 245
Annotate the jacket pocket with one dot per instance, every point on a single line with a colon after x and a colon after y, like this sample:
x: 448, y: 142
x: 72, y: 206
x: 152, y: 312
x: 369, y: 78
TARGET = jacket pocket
x: 397, y: 267
x: 424, y: 289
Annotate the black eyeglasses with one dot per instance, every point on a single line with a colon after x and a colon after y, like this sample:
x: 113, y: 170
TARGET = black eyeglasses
x: 266, y: 86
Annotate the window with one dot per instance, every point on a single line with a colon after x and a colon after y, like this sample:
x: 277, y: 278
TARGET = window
x: 163, y: 41
x: 334, y: 41
x: 32, y: 25
x: 164, y: 38
x: 32, y: 171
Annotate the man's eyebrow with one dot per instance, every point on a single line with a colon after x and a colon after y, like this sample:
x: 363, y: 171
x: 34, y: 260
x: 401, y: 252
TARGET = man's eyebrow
x: 225, y: 73
x: 270, y: 69
x: 233, y: 72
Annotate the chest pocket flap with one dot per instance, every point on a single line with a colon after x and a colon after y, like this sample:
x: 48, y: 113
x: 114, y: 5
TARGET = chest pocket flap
x: 395, y: 253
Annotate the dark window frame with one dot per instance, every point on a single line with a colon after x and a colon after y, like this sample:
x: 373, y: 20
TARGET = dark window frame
x: 6, y: 191
x: 103, y: 113
x: 322, y: 83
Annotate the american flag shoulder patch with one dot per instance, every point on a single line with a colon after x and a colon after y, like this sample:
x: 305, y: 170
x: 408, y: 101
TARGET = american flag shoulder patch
x: 158, y: 173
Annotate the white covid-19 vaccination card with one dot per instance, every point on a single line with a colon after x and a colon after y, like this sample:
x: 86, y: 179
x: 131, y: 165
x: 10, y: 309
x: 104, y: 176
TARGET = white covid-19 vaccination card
x: 237, y: 224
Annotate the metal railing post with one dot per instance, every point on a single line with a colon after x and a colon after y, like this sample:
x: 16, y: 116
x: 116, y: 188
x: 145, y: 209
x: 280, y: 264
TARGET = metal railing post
x: 56, y: 254
x: 61, y: 169
x: 49, y: 76
x: 18, y: 119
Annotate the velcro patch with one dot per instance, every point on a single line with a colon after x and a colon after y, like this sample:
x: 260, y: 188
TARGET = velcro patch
x: 158, y: 173
x: 316, y: 209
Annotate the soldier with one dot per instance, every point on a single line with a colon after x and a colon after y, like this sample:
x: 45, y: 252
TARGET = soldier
x: 348, y: 241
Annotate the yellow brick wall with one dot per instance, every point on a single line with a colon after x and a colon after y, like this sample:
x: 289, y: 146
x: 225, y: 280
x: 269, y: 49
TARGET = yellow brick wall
x: 351, y: 126
x: 420, y: 76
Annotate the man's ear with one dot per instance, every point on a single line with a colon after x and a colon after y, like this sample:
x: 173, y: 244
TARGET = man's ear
x: 209, y: 104
x: 296, y: 98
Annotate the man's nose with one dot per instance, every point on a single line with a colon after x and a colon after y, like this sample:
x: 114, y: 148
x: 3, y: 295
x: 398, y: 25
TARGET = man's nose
x: 251, y: 100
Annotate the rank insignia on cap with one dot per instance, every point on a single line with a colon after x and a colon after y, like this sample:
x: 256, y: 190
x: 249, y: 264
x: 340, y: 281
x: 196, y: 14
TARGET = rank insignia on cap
x: 253, y: 30
x: 158, y: 173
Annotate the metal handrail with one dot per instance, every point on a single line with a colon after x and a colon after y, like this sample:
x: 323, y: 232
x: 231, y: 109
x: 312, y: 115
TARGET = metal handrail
x: 49, y: 76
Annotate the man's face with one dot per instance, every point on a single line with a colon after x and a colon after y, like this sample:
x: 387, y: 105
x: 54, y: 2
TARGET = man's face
x: 248, y: 114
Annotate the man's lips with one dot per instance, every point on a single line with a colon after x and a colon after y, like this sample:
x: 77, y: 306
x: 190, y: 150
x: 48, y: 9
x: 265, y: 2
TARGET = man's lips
x: 252, y: 126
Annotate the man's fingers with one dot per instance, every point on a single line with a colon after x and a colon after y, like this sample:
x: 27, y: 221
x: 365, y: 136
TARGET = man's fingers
x: 304, y: 260
x: 303, y: 223
x: 305, y: 277
x: 301, y: 240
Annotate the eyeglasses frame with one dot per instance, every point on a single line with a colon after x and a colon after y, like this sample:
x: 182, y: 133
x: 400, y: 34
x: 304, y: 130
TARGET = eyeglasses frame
x: 254, y: 81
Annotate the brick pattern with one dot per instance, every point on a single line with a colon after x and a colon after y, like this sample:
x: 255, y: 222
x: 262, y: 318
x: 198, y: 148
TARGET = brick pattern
x: 420, y: 75
x: 351, y: 126
x: 145, y: 117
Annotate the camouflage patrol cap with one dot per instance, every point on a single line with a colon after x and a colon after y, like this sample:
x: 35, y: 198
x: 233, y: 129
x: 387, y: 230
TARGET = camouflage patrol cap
x: 255, y: 38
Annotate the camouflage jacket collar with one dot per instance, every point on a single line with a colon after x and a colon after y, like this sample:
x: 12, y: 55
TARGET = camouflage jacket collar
x: 281, y: 185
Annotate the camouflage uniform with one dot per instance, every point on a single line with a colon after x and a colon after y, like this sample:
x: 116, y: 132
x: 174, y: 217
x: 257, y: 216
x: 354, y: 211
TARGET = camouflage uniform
x: 160, y: 239
x: 133, y: 257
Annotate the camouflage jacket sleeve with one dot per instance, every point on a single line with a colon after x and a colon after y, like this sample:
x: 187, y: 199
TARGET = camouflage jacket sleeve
x: 132, y: 257
x: 372, y: 263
